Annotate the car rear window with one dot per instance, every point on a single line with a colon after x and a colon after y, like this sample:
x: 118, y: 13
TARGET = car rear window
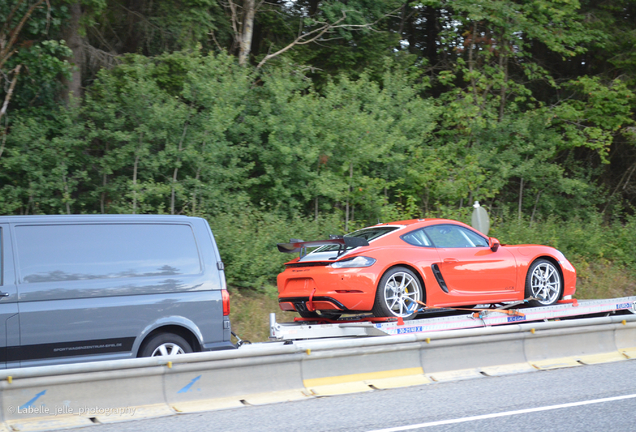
x: 366, y: 233
x: 49, y: 253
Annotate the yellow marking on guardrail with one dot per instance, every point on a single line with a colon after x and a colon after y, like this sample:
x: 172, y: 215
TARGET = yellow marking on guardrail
x: 556, y: 363
x: 507, y: 369
x: 315, y: 382
x: 455, y: 375
x: 628, y: 352
x: 602, y: 358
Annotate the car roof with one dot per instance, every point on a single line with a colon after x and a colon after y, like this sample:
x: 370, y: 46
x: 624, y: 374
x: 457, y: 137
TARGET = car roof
x: 421, y: 222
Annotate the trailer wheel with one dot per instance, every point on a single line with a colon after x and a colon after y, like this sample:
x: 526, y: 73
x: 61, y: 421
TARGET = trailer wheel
x: 321, y: 315
x: 397, y: 295
x: 543, y: 283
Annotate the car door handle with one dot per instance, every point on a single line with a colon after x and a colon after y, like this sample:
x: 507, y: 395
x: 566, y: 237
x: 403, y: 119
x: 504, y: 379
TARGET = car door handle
x: 451, y: 260
x: 4, y: 294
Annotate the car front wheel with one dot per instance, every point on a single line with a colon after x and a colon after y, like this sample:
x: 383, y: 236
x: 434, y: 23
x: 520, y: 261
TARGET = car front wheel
x: 397, y: 295
x: 543, y: 283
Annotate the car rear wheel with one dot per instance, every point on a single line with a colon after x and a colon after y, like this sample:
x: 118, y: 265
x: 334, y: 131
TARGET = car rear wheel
x: 543, y: 283
x: 164, y: 344
x: 397, y: 295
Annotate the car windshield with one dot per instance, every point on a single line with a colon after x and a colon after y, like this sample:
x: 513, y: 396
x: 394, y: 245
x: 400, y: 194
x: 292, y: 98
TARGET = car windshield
x: 366, y: 233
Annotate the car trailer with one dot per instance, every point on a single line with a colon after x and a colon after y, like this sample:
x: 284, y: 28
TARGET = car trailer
x: 437, y: 319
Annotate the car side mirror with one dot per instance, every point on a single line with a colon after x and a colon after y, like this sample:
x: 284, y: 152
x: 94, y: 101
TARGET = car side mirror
x: 493, y: 243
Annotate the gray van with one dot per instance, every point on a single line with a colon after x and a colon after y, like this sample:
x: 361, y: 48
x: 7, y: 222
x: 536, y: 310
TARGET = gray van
x: 105, y: 287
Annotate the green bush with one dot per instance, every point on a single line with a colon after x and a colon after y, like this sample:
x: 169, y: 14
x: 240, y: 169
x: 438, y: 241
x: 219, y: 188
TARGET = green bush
x: 247, y: 243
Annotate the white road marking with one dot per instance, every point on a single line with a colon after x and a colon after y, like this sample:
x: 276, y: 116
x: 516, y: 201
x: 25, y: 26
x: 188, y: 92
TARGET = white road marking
x: 504, y: 414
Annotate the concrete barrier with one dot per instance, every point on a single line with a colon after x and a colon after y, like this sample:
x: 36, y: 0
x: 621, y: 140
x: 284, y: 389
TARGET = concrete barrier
x: 84, y: 394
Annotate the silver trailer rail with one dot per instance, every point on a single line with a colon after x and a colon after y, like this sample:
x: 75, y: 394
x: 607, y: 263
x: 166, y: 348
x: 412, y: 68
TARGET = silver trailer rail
x: 451, y: 320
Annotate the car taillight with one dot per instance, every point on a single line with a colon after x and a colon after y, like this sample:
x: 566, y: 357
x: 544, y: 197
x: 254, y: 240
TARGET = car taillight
x: 226, y: 302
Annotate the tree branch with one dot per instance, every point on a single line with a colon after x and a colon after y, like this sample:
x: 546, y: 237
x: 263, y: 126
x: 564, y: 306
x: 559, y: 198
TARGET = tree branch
x: 9, y: 19
x: 304, y: 39
x: 7, y: 97
x: 4, y: 53
x: 315, y: 34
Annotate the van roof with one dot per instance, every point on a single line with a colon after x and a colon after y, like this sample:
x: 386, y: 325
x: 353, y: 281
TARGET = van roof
x: 95, y: 218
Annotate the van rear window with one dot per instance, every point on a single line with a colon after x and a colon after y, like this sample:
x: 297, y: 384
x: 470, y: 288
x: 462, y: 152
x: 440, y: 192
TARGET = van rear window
x: 49, y: 253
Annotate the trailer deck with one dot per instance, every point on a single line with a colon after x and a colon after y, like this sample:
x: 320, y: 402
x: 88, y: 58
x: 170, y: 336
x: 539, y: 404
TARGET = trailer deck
x: 446, y: 319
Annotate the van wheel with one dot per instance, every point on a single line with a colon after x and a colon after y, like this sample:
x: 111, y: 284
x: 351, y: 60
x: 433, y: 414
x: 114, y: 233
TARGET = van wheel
x: 164, y: 344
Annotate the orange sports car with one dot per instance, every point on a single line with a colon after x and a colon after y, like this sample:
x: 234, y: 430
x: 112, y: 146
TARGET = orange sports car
x: 391, y: 269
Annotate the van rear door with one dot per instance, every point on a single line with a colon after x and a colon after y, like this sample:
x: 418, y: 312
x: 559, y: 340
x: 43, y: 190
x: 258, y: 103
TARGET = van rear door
x: 9, y: 331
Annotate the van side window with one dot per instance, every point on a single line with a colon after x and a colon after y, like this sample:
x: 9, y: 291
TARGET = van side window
x: 50, y: 253
x: 1, y: 259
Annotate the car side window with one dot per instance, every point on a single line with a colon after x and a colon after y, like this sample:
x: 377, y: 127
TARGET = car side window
x: 417, y: 238
x: 453, y: 236
x: 476, y: 239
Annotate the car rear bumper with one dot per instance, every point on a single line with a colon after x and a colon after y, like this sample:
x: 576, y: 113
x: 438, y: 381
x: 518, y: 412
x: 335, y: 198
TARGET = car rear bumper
x: 329, y: 289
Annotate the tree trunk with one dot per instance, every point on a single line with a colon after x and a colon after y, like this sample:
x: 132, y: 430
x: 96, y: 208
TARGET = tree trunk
x: 67, y: 195
x: 7, y: 97
x: 503, y: 66
x: 102, y: 200
x: 349, y: 190
x: 176, y: 170
x: 71, y: 35
x: 432, y: 34
x: 247, y: 30
x: 194, y: 193
x: 520, y: 197
x: 536, y: 203
x: 134, y: 209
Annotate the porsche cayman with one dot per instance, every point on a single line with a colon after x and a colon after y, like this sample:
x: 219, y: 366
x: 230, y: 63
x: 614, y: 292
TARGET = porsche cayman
x: 392, y: 269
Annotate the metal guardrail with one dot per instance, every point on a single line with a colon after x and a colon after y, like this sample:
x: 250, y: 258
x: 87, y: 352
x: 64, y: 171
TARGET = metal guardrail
x: 84, y: 393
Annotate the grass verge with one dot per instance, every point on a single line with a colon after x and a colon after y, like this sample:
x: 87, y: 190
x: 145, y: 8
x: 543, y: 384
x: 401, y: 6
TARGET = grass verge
x: 250, y: 313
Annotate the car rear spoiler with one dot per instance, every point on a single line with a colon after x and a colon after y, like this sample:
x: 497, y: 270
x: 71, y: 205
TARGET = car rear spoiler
x: 343, y: 243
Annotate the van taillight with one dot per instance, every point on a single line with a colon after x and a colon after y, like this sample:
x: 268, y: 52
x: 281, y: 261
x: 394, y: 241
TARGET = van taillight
x: 226, y: 302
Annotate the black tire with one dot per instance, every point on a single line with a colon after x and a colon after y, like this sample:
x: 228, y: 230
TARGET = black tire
x: 164, y: 344
x: 544, y: 283
x: 396, y: 295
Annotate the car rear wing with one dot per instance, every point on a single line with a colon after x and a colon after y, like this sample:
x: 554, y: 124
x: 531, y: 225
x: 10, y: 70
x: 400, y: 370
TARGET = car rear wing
x: 343, y: 243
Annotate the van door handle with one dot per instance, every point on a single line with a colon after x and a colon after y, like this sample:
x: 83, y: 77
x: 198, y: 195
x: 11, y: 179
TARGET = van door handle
x: 451, y: 260
x: 4, y: 294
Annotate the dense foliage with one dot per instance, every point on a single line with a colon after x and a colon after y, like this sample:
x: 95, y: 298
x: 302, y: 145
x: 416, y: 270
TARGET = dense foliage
x: 347, y: 113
